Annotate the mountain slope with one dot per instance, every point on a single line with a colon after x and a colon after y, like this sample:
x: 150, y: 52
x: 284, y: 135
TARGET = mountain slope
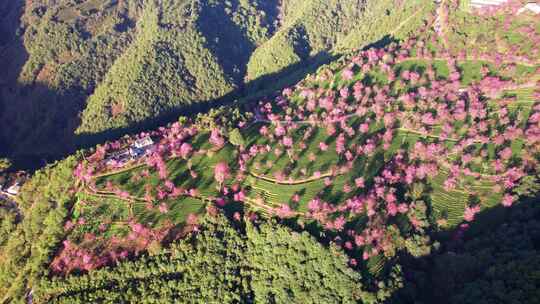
x: 379, y: 153
x: 84, y: 66
x: 161, y: 70
x: 383, y: 153
x: 59, y: 53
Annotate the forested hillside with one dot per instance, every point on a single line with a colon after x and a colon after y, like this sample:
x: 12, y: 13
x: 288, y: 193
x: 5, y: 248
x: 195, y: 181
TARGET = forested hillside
x: 80, y: 71
x: 319, y: 159
x: 53, y: 60
x: 224, y: 263
x: 494, y: 262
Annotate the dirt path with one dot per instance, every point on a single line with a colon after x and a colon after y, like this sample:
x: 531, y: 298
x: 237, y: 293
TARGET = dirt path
x: 404, y: 22
x: 121, y: 170
x: 293, y: 182
x: 254, y: 203
x: 470, y: 58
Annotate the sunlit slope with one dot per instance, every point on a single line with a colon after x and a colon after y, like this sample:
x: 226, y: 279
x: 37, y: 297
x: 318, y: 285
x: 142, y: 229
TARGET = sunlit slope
x: 162, y: 70
x: 197, y: 52
x: 386, y: 137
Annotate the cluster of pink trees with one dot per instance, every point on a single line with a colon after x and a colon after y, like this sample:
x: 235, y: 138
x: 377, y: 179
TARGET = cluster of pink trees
x: 216, y: 139
x: 83, y: 173
x: 470, y: 212
x: 510, y: 7
x: 441, y: 111
x: 96, y: 251
x: 73, y: 257
x: 156, y: 161
x: 464, y: 134
x: 221, y: 173
x: 499, y: 19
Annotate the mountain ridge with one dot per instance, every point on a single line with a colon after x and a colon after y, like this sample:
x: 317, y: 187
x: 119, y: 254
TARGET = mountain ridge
x: 73, y: 47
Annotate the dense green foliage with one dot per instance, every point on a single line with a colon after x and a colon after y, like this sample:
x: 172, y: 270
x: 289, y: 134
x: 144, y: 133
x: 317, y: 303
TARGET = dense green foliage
x: 292, y: 268
x: 386, y: 181
x: 77, y: 69
x: 497, y: 265
x: 44, y: 203
x: 221, y: 264
x: 5, y: 164
x: 8, y: 221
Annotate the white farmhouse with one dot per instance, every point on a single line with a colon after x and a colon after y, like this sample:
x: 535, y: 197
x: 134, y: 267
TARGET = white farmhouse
x: 14, y: 189
x: 531, y: 7
x: 141, y: 147
x: 486, y: 3
x: 143, y: 142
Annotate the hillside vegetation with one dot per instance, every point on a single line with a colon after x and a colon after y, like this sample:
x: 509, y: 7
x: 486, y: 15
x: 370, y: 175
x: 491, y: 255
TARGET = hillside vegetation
x: 92, y: 67
x: 211, y: 49
x: 397, y: 173
x: 493, y: 262
x: 194, y: 270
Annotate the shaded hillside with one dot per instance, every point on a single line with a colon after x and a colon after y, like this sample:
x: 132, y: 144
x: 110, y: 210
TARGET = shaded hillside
x: 56, y: 58
x: 314, y: 273
x: 89, y: 67
x: 494, y: 262
x: 166, y: 67
x: 381, y: 157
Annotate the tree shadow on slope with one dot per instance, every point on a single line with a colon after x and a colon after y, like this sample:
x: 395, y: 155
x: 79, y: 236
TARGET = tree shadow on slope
x: 13, y: 56
x: 54, y: 116
x: 495, y: 260
x: 37, y: 121
x: 266, y: 86
x: 383, y: 42
x: 230, y: 42
x: 39, y: 126
x: 227, y: 42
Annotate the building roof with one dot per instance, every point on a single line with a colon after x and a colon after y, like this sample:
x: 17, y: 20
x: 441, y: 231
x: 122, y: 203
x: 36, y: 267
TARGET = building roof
x: 14, y: 189
x: 485, y: 3
x: 532, y: 7
x: 143, y: 142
